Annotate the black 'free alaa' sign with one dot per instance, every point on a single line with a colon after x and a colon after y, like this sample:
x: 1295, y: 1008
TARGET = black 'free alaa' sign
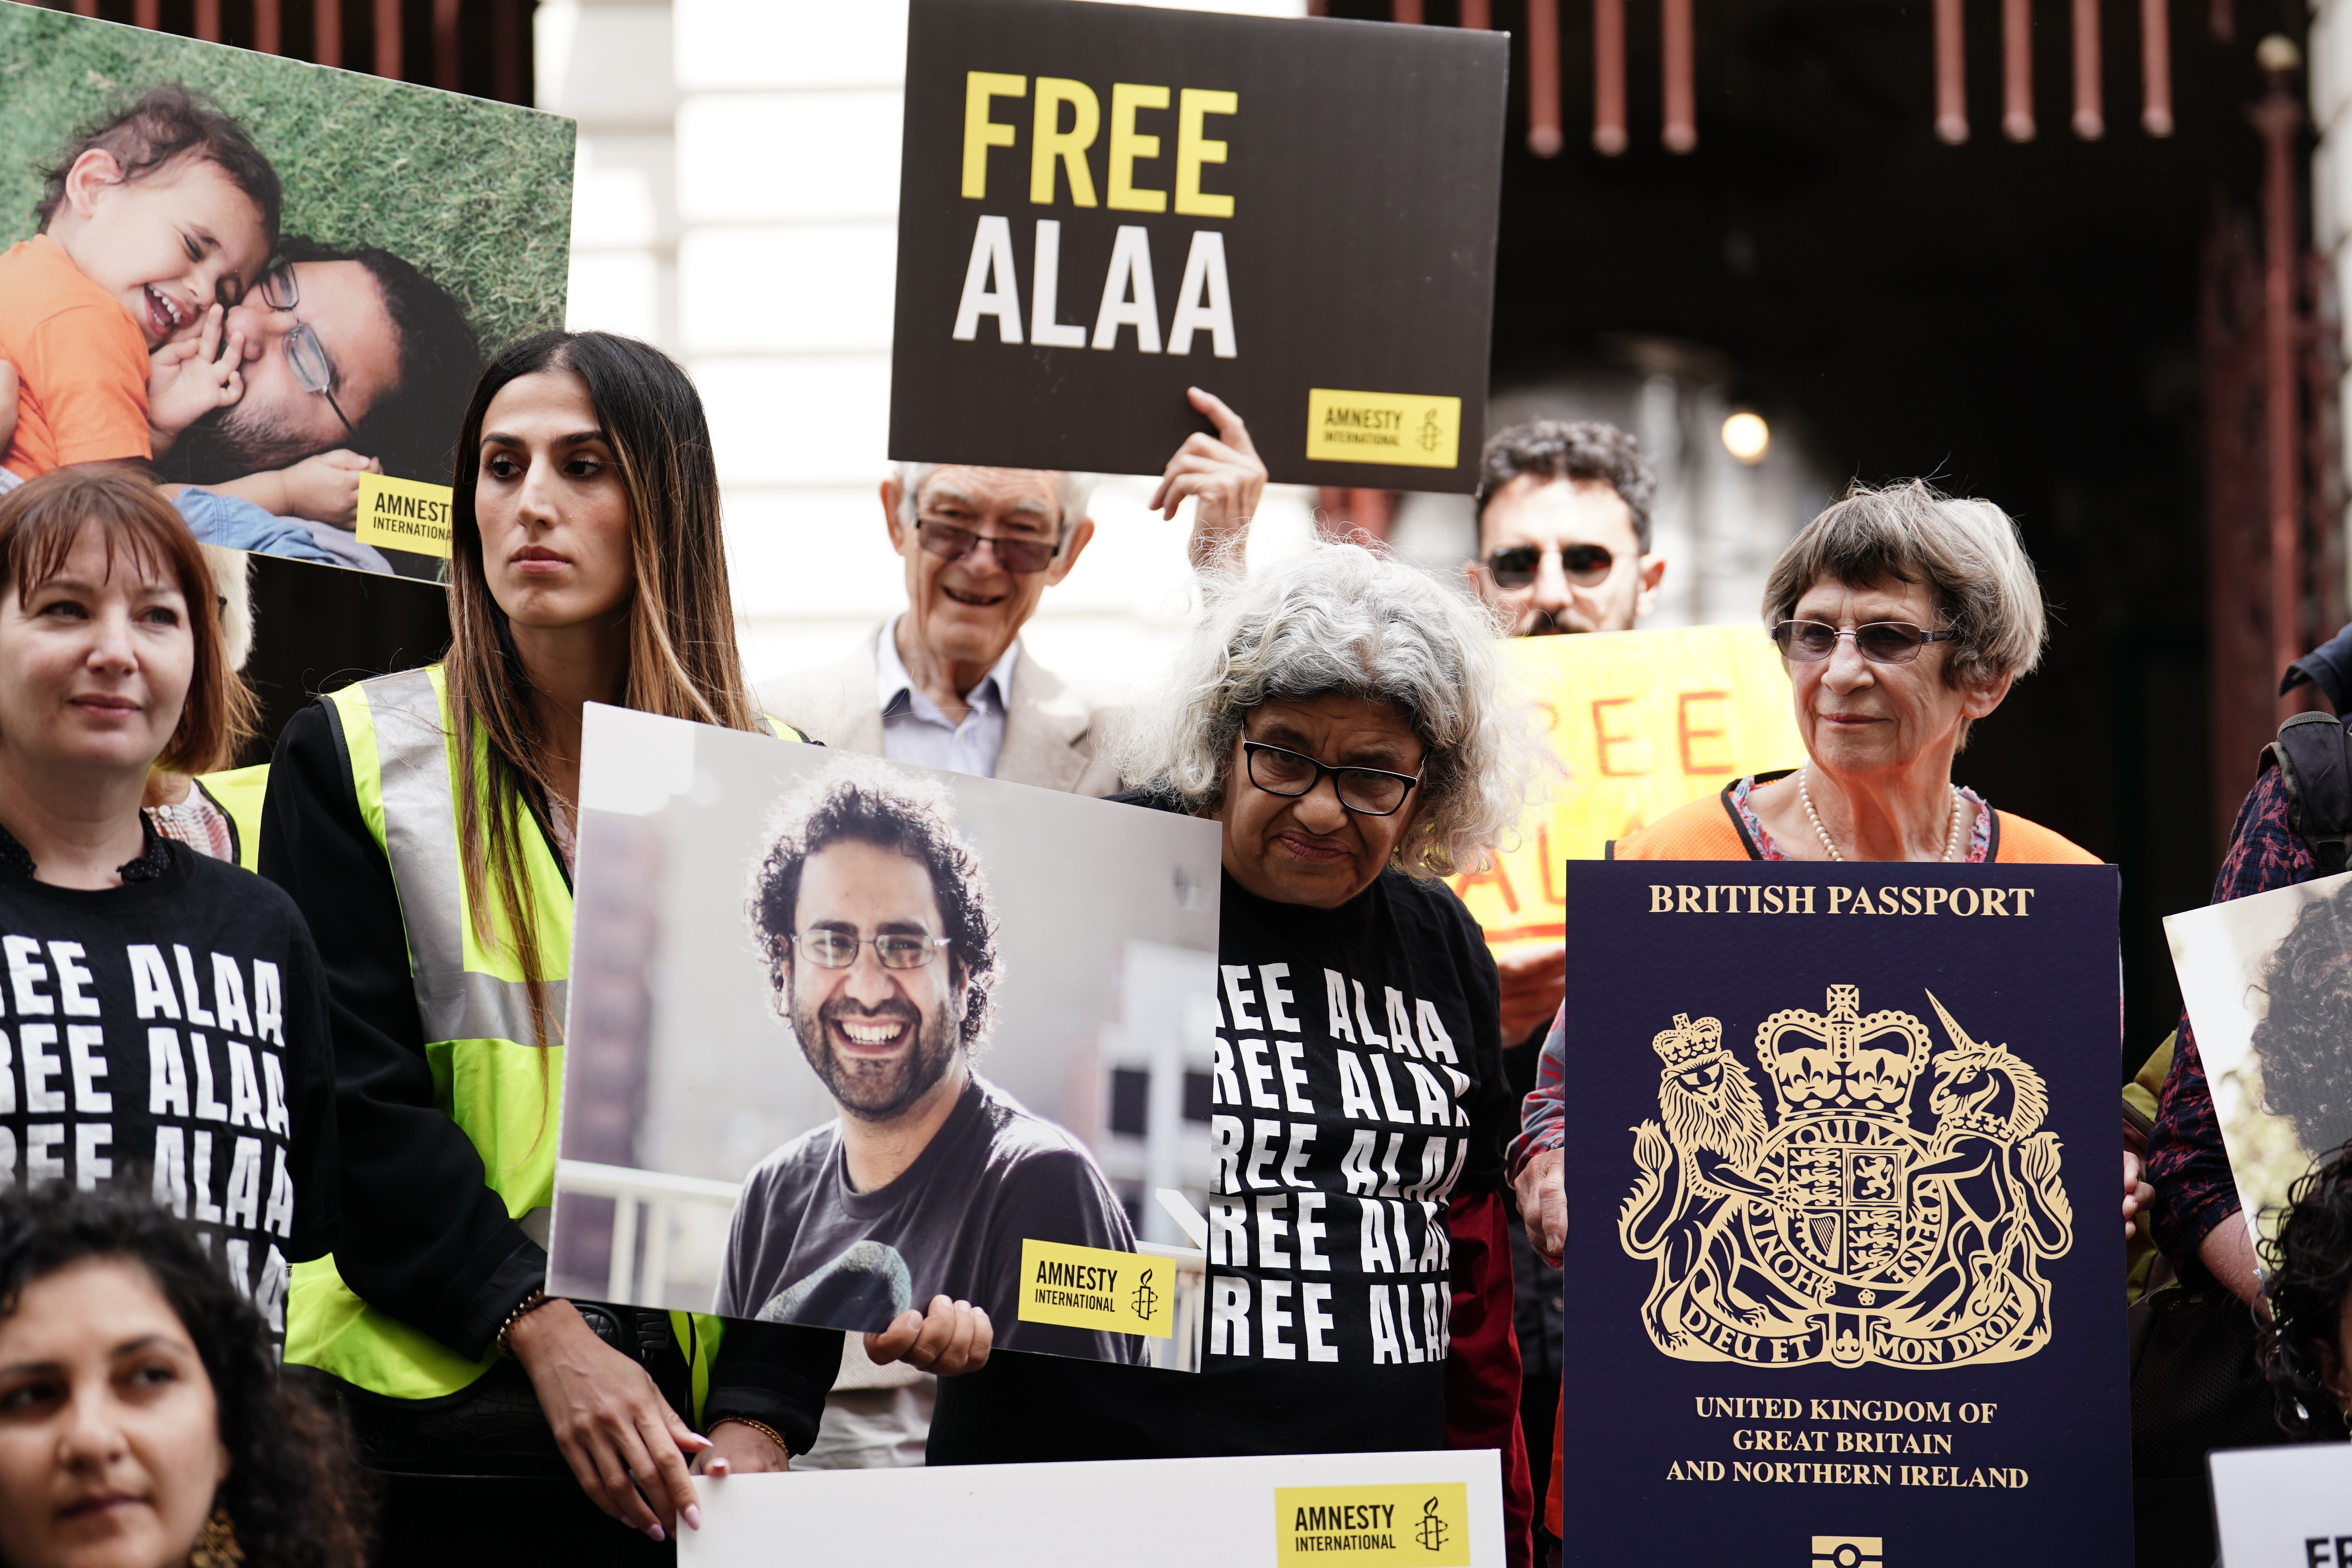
x: 1101, y: 205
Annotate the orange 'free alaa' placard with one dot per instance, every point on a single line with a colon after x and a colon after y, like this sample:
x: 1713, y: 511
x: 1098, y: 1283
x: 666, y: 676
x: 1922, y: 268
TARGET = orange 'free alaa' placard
x: 1635, y: 723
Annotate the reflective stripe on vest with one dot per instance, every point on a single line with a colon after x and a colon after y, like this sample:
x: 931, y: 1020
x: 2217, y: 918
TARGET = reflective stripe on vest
x: 417, y: 769
x: 490, y: 1073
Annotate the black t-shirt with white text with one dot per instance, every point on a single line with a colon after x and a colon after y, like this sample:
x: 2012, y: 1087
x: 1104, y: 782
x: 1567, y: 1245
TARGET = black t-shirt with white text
x: 806, y: 1247
x: 1357, y: 1085
x: 169, y: 1036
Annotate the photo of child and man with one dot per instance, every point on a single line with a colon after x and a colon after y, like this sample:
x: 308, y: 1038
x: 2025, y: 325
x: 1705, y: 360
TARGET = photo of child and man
x: 263, y: 278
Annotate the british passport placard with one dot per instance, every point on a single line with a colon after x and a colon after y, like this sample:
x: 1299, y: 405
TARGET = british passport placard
x: 1845, y: 1256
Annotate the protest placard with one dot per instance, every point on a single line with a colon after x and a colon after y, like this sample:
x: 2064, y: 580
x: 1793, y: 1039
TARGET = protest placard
x: 1101, y: 205
x: 1634, y: 725
x: 845, y: 1034
x: 2265, y: 981
x: 1442, y: 1508
x: 366, y: 243
x: 2287, y: 1506
x: 1842, y: 1140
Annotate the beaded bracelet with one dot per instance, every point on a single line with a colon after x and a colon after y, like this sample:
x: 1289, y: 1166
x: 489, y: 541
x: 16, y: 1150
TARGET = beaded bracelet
x: 529, y: 1304
x: 761, y: 1427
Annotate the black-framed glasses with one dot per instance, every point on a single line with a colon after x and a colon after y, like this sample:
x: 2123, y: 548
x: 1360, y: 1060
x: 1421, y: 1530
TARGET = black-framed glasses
x: 1516, y: 565
x: 829, y: 947
x: 1881, y: 642
x: 306, y: 356
x: 950, y: 542
x: 1367, y: 792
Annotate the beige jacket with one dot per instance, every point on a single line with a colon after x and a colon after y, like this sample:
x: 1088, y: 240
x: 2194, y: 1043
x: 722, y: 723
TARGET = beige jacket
x: 1051, y: 738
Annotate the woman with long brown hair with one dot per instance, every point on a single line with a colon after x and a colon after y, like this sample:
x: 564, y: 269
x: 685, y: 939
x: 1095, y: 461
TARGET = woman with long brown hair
x: 424, y: 821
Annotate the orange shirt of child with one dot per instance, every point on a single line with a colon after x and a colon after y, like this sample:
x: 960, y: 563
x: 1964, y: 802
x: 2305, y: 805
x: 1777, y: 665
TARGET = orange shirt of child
x: 81, y: 363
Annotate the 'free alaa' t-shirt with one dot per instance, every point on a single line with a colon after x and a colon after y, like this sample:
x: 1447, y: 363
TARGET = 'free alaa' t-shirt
x: 1357, y: 1087
x: 807, y: 1247
x: 169, y: 1036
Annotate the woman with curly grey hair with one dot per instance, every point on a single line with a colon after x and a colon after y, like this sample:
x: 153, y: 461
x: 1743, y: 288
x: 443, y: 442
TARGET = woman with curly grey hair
x: 1338, y: 715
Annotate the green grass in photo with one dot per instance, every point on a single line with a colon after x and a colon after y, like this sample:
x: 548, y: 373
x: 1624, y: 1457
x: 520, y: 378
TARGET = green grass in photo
x: 477, y: 194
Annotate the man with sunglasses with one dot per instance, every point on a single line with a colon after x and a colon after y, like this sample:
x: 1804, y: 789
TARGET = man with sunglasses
x: 1564, y: 541
x: 871, y: 915
x: 947, y: 682
x: 1564, y: 545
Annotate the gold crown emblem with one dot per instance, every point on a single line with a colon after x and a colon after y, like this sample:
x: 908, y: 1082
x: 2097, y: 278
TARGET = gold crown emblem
x: 1841, y: 1059
x: 1687, y: 1042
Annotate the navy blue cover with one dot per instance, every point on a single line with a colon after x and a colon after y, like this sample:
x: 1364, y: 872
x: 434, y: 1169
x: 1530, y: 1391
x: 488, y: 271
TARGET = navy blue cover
x: 1897, y: 1240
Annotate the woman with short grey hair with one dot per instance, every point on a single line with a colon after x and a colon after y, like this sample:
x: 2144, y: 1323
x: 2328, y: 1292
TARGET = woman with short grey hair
x: 1338, y: 716
x: 1903, y: 618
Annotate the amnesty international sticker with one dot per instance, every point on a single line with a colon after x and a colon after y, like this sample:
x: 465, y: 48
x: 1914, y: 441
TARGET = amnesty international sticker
x: 1405, y: 1527
x: 1095, y: 1287
x: 404, y: 514
x: 1383, y: 428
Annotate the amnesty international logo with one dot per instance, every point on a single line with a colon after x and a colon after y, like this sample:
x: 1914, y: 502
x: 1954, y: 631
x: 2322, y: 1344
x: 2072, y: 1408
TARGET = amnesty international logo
x: 1845, y: 1230
x: 1377, y: 1526
x: 1431, y: 1530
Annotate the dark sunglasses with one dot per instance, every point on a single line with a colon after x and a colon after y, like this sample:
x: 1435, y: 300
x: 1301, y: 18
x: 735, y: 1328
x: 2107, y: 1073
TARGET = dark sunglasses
x: 1515, y: 566
x: 1367, y: 792
x: 1019, y: 556
x: 1881, y: 642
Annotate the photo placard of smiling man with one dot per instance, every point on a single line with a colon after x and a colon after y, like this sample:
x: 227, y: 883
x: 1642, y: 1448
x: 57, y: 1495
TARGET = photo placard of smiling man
x: 872, y: 914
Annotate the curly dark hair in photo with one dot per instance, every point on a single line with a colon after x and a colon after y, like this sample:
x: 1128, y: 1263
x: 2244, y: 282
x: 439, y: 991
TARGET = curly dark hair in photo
x: 163, y: 125
x: 857, y: 801
x: 2304, y: 1040
x: 1571, y: 449
x: 2310, y: 1263
x: 292, y: 1490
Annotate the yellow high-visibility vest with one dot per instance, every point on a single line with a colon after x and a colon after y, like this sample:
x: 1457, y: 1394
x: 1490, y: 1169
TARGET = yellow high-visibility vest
x: 490, y: 1075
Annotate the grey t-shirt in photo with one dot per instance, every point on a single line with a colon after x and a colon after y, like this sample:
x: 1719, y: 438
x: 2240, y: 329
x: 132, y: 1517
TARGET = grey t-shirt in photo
x: 805, y: 1248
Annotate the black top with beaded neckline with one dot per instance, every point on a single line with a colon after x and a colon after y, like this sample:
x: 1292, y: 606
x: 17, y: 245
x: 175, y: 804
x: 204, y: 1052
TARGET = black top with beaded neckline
x: 154, y: 856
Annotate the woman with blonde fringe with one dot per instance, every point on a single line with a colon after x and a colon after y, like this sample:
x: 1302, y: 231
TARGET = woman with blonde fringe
x: 426, y: 822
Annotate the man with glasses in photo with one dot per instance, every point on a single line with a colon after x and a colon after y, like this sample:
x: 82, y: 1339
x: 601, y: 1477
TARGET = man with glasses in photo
x: 947, y: 682
x: 355, y: 363
x: 872, y: 916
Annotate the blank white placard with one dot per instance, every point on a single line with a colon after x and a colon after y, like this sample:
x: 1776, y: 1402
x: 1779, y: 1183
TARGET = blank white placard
x: 2283, y: 1508
x: 1131, y: 1513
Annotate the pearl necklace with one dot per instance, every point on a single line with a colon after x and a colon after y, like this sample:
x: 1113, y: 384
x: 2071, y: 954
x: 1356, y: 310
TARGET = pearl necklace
x: 1951, y: 834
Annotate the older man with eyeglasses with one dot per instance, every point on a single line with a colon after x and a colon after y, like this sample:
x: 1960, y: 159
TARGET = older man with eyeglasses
x: 946, y: 682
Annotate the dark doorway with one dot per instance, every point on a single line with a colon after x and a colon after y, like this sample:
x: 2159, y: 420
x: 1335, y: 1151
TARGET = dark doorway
x: 2018, y: 322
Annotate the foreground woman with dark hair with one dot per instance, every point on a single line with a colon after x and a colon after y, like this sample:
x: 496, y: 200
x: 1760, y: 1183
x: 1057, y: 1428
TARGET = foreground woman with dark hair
x: 143, y: 1421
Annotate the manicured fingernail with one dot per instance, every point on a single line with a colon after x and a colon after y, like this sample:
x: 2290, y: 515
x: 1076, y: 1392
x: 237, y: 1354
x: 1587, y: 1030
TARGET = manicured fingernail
x: 655, y: 1530
x: 693, y: 1517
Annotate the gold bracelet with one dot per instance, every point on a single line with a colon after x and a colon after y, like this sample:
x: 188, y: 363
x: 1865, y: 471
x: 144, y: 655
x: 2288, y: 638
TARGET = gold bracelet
x: 529, y: 1304
x: 761, y: 1427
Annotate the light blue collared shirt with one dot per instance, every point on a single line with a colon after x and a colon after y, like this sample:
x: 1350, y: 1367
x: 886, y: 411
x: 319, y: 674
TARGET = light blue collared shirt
x: 916, y: 730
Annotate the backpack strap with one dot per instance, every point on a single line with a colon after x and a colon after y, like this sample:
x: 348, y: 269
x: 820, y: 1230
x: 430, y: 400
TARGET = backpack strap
x: 2313, y: 754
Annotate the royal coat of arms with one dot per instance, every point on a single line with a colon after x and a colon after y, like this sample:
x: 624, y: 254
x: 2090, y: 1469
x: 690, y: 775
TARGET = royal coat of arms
x: 1844, y: 1232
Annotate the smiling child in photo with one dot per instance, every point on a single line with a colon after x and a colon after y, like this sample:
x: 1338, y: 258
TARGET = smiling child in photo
x: 152, y: 221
